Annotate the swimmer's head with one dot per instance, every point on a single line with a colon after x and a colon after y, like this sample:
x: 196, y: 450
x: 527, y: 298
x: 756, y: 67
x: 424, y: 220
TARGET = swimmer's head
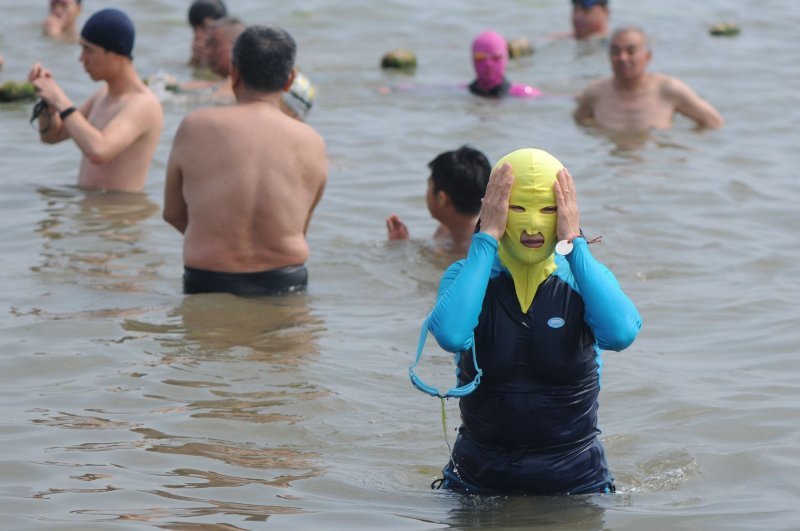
x: 586, y: 4
x: 462, y: 175
x: 589, y: 17
x: 489, y: 57
x: 630, y: 53
x: 66, y: 10
x: 264, y: 57
x: 112, y: 30
x: 527, y: 246
x: 297, y: 101
x: 202, y: 11
x: 530, y: 235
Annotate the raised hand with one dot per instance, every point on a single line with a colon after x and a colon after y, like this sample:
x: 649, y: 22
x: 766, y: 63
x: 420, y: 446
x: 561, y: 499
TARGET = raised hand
x: 494, y: 205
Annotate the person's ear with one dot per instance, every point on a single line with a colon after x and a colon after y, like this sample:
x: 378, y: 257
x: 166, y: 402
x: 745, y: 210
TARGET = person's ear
x: 289, y: 81
x: 442, y: 198
x: 236, y: 76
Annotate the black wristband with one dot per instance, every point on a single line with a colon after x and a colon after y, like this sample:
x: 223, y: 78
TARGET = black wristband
x: 66, y: 112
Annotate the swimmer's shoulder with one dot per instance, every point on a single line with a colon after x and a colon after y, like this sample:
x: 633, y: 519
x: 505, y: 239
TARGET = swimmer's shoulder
x: 594, y: 89
x: 671, y: 87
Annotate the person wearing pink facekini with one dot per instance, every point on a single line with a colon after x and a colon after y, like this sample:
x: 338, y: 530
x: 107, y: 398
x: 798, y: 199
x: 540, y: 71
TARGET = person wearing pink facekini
x: 490, y: 57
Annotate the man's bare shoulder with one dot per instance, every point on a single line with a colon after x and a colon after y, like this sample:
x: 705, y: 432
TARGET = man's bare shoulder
x: 309, y: 132
x: 597, y: 87
x: 671, y: 87
x: 201, y: 119
x: 146, y: 101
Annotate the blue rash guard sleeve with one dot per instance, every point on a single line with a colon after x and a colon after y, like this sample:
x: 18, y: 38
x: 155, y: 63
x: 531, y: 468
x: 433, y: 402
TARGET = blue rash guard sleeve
x: 460, y: 297
x: 610, y: 314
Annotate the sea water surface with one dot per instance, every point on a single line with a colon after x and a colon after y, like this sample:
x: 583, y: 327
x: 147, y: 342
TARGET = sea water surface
x: 125, y: 404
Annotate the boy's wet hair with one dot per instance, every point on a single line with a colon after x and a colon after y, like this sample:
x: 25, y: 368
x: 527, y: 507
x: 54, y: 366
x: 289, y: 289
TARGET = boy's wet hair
x: 463, y: 175
x: 200, y: 10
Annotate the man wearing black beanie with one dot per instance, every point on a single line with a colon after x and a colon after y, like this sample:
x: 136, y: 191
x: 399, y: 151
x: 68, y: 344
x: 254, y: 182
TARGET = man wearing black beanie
x: 117, y: 129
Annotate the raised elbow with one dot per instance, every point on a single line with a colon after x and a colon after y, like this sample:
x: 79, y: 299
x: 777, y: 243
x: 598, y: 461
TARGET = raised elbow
x: 97, y: 157
x: 622, y: 337
x: 452, y: 342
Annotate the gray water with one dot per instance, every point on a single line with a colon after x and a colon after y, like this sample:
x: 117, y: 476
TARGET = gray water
x: 125, y: 403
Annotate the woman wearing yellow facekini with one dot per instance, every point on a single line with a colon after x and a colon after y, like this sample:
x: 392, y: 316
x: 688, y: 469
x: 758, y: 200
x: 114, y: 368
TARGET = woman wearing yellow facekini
x: 538, y: 308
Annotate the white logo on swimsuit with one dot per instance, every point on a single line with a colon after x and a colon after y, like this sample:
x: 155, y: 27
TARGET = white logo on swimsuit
x: 555, y: 322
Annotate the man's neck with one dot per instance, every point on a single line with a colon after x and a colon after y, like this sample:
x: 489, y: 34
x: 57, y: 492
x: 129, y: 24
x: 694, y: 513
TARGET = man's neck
x: 123, y: 80
x: 461, y: 229
x: 631, y: 84
x: 246, y: 95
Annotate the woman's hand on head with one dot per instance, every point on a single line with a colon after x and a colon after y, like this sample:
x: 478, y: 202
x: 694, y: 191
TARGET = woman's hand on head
x: 494, y: 205
x: 568, y: 224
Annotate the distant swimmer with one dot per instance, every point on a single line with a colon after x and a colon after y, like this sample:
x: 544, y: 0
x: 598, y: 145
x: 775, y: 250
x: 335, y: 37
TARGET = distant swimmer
x: 61, y: 21
x: 117, y: 129
x: 636, y: 100
x: 220, y: 36
x: 243, y: 180
x: 456, y: 185
x: 490, y: 58
x: 201, y: 14
x: 589, y: 19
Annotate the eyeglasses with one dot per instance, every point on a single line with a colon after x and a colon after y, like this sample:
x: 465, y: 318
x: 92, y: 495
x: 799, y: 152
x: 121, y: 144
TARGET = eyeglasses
x: 455, y: 392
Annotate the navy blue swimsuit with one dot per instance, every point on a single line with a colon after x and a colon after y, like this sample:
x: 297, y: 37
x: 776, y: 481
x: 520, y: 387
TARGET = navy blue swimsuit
x: 531, y: 425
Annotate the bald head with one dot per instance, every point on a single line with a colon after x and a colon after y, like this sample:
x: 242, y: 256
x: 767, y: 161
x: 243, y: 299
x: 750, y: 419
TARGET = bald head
x: 630, y: 54
x: 631, y: 29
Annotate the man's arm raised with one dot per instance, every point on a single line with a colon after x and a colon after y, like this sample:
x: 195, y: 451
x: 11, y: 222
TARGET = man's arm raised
x: 129, y: 124
x: 51, y: 128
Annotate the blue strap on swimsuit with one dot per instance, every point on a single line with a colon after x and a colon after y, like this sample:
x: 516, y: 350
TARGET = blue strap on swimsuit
x: 456, y: 392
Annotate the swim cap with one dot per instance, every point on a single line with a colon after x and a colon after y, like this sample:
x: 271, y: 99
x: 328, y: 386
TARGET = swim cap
x: 300, y: 96
x: 489, y: 57
x: 112, y: 30
x: 534, y: 172
x: 586, y: 4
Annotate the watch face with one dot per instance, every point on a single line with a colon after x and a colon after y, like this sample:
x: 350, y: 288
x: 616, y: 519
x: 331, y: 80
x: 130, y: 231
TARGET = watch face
x: 563, y: 247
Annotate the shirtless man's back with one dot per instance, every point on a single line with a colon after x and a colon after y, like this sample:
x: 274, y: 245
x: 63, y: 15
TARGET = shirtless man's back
x: 636, y: 100
x: 242, y: 184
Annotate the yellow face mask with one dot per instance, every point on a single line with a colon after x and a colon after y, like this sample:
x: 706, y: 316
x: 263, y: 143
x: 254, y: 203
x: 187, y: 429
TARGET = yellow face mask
x: 527, y: 246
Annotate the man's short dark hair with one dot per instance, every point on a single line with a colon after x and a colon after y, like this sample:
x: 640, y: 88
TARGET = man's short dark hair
x: 203, y: 9
x: 462, y: 174
x: 264, y: 56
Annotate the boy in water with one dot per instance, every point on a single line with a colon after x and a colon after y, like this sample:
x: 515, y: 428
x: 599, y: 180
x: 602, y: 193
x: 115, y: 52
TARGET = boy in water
x: 455, y: 188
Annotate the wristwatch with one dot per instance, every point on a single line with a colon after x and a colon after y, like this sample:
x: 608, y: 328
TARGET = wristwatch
x: 66, y: 112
